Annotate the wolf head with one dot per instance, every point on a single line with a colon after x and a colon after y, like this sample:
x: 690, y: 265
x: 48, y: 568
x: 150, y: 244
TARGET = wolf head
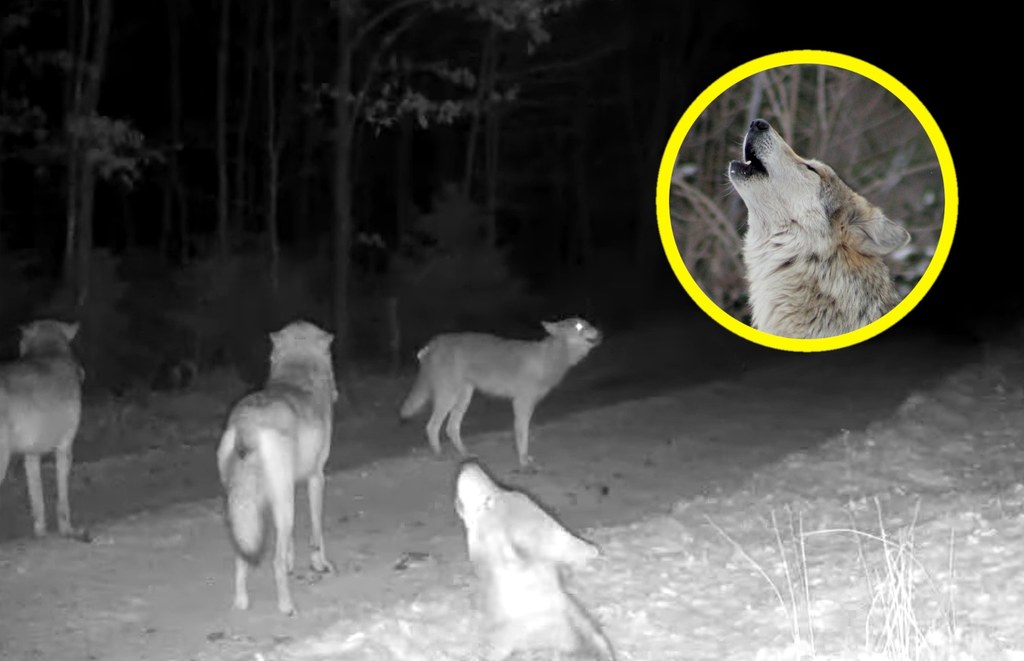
x: 301, y: 336
x: 577, y: 333
x: 47, y: 336
x: 813, y: 246
x: 519, y: 552
x: 790, y: 198
x: 302, y: 349
x: 507, y: 526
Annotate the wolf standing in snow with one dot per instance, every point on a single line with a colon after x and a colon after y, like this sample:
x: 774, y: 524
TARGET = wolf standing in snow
x: 454, y: 365
x: 40, y: 408
x: 519, y: 552
x: 814, y: 247
x: 276, y: 437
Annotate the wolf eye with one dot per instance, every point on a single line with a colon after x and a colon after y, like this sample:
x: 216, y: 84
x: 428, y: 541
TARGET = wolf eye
x: 811, y: 168
x: 579, y: 326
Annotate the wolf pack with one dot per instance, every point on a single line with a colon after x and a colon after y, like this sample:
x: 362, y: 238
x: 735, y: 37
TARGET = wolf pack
x: 813, y: 252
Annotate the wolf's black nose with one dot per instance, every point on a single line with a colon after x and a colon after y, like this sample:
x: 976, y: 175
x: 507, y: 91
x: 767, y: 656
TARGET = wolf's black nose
x: 759, y: 125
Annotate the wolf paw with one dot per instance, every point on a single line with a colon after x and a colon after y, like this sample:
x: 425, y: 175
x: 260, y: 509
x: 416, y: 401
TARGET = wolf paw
x: 241, y: 602
x: 78, y: 534
x: 437, y: 457
x: 321, y: 565
x: 526, y: 468
x: 287, y: 608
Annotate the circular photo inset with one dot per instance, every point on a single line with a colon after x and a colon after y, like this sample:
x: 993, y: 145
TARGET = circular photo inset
x: 807, y: 201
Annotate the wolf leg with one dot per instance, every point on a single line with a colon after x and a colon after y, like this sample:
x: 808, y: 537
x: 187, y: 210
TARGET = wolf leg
x: 5, y: 455
x: 319, y: 561
x: 64, y: 459
x: 34, y: 479
x: 443, y: 404
x: 284, y: 520
x: 241, y: 579
x: 590, y: 638
x: 522, y: 408
x: 454, y: 426
x: 279, y: 472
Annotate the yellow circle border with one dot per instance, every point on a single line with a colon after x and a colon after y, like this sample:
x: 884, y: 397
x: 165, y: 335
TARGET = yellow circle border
x: 828, y: 58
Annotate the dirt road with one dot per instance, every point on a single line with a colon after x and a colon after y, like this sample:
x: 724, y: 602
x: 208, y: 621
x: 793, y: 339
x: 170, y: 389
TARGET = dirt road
x: 678, y: 420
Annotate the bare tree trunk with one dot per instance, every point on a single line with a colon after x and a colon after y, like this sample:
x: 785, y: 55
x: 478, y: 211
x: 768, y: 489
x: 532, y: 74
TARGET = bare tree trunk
x: 77, y: 38
x: 1, y: 194
x: 647, y: 169
x: 578, y: 144
x: 492, y: 144
x: 560, y: 226
x: 177, y: 207
x: 241, y: 190
x: 83, y: 180
x: 403, y: 176
x: 478, y: 109
x: 700, y: 26
x: 279, y: 125
x: 5, y: 71
x: 753, y: 110
x: 824, y: 138
x: 309, y: 129
x: 166, y: 220
x: 342, y: 238
x: 272, y: 153
x: 394, y: 333
x: 485, y: 81
x: 85, y: 233
x: 302, y: 202
x: 223, y: 191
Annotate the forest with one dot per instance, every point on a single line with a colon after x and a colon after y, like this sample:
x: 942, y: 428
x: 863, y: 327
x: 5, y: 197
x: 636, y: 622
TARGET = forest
x: 184, y: 176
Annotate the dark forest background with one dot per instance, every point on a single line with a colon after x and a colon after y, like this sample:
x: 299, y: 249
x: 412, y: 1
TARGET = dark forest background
x: 184, y: 176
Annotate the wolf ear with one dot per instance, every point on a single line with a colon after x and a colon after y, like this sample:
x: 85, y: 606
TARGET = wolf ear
x: 71, y: 330
x: 550, y: 326
x: 876, y: 235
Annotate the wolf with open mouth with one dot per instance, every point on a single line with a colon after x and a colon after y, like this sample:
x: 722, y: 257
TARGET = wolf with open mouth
x: 813, y: 248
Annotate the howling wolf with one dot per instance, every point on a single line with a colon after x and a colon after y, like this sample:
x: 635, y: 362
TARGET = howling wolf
x: 455, y: 365
x: 520, y: 554
x: 814, y: 247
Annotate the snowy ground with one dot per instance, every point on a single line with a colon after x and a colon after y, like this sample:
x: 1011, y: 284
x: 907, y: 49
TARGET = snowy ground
x: 696, y: 497
x: 899, y: 542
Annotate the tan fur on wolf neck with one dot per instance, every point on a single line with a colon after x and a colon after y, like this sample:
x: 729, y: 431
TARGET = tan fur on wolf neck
x: 813, y: 247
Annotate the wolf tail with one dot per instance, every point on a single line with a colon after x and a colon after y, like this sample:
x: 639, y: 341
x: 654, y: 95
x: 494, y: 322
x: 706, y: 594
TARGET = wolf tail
x: 420, y: 393
x: 246, y: 498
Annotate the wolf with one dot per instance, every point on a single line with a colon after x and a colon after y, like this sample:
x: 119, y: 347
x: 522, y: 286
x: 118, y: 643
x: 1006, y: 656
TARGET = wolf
x: 520, y: 552
x: 454, y: 365
x: 275, y: 438
x: 813, y: 248
x: 40, y: 410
